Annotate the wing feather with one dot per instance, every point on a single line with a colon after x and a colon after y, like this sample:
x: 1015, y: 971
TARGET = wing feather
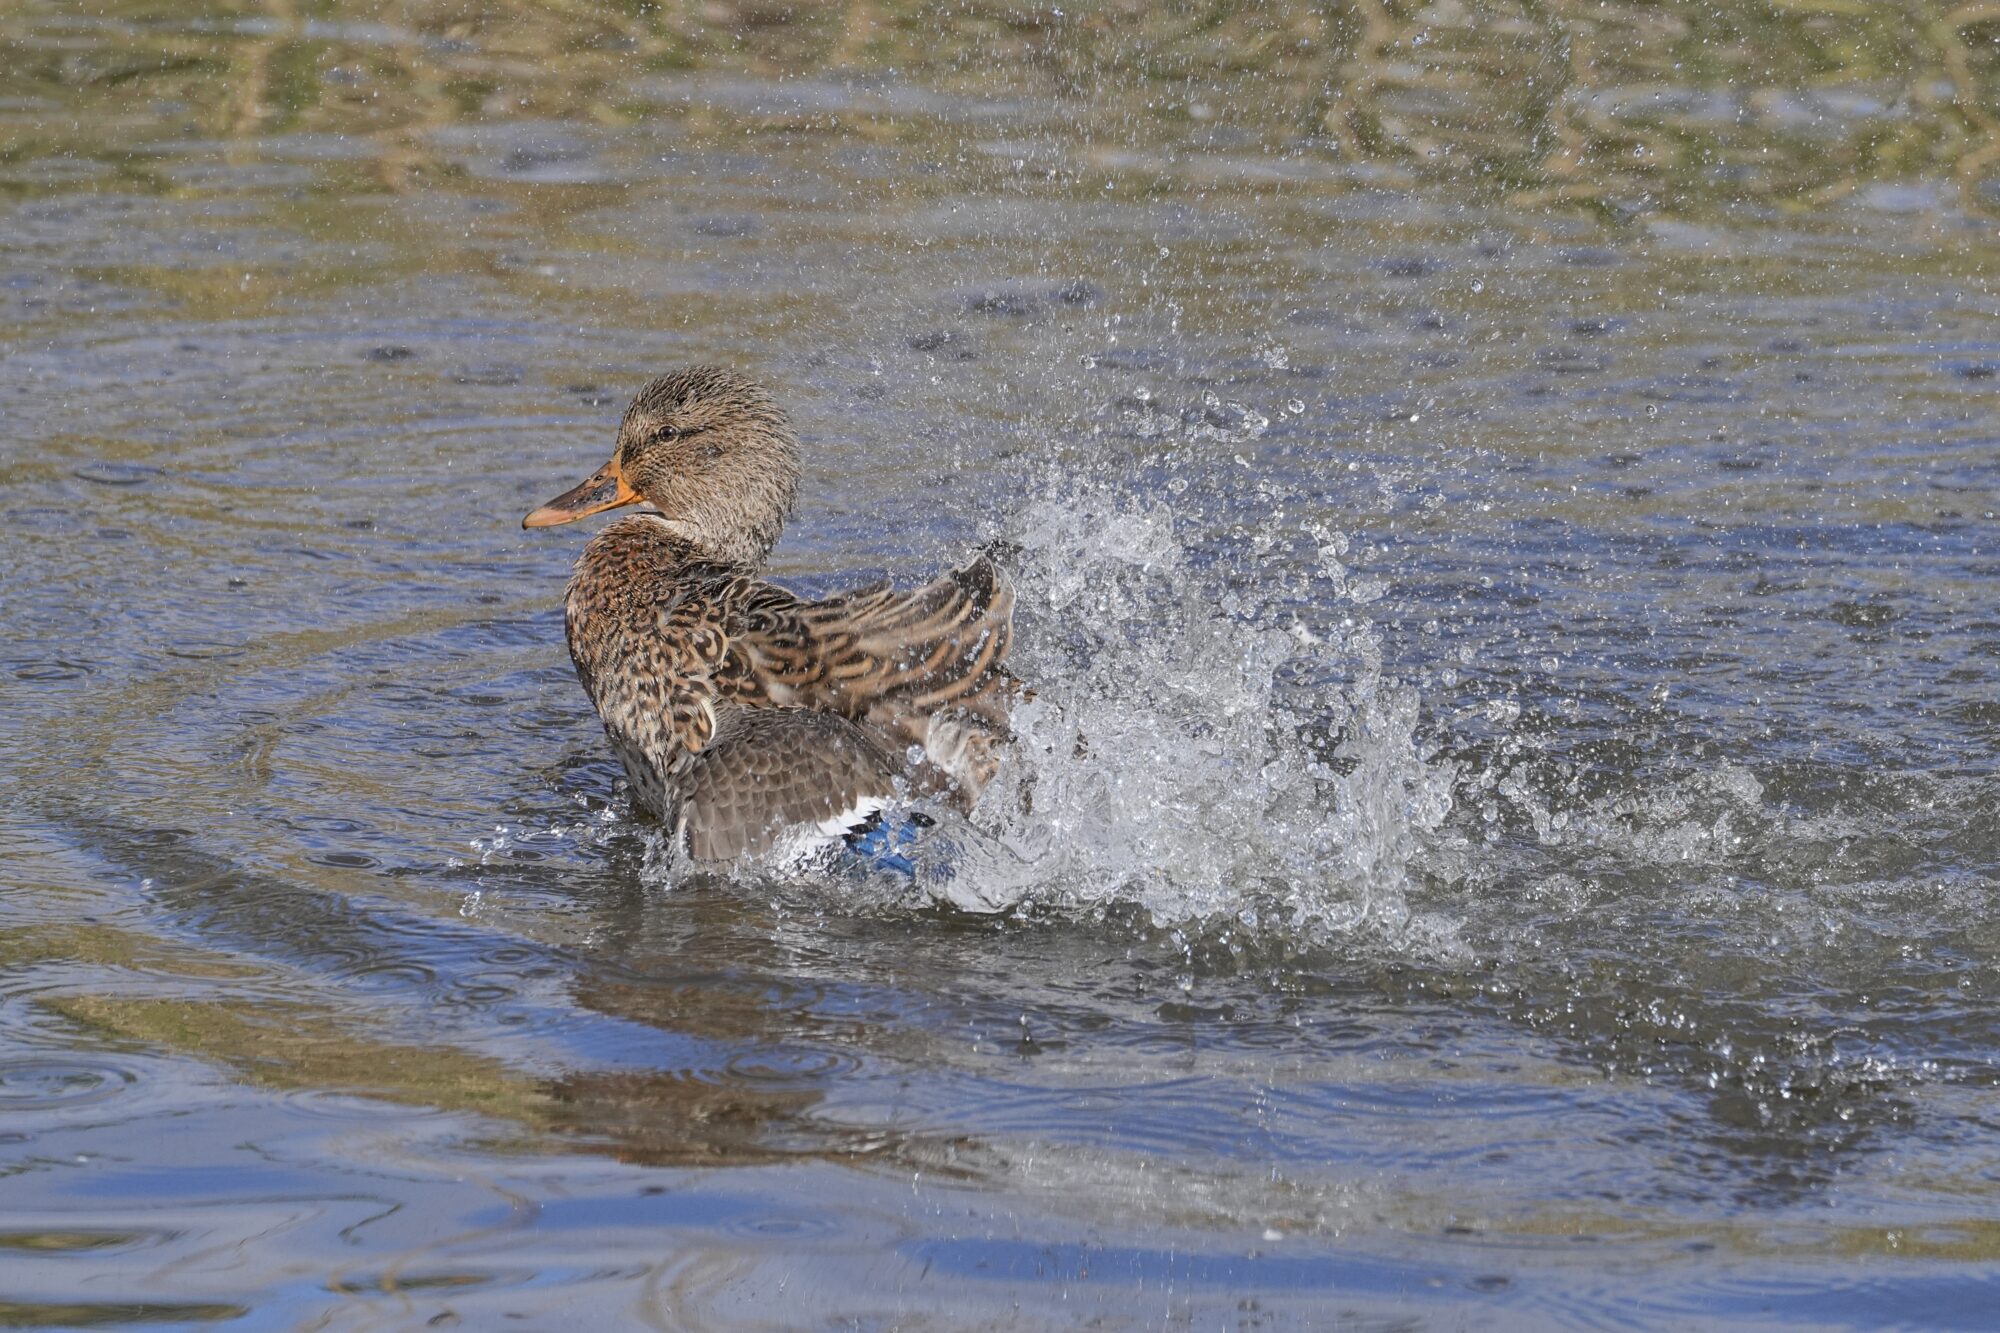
x: 932, y: 647
x: 901, y: 662
x: 772, y: 772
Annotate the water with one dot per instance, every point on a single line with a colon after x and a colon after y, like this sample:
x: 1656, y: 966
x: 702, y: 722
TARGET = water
x: 1505, y: 507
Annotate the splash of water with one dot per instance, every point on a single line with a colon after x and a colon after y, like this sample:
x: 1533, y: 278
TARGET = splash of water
x: 1162, y: 763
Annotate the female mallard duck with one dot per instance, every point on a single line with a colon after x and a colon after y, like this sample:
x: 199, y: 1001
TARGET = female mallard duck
x: 752, y: 720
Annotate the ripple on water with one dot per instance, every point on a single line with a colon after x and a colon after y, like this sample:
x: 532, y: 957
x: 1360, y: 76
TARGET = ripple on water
x: 203, y: 651
x: 50, y: 670
x: 344, y: 860
x: 103, y: 472
x: 788, y: 1066
x: 48, y: 1083
x: 479, y: 995
x: 352, y: 1106
x: 322, y: 823
x: 786, y: 1227
x: 389, y: 974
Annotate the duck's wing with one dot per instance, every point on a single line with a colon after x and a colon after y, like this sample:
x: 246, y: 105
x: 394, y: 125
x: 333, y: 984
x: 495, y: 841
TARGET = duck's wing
x: 923, y: 667
x: 935, y: 648
x: 769, y: 774
x: 925, y: 650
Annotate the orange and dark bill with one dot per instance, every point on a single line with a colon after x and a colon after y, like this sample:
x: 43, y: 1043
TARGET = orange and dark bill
x: 605, y: 490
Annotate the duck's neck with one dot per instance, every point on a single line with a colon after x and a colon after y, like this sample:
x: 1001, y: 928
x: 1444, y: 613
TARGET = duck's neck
x: 698, y: 544
x: 643, y: 551
x: 734, y: 508
x: 724, y: 538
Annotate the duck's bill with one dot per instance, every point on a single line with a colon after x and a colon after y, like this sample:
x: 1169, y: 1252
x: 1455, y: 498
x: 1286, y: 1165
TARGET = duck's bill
x: 605, y: 490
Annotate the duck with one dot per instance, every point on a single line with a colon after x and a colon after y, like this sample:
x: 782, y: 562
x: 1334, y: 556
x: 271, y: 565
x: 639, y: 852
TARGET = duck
x: 754, y: 722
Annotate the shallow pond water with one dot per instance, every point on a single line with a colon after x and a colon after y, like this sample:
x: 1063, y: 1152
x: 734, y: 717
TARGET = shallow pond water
x: 1505, y: 505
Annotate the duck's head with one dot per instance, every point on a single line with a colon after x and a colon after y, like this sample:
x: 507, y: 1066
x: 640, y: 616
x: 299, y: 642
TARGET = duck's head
x: 711, y: 451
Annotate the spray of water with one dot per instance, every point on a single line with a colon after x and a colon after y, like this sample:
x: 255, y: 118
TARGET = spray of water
x: 1162, y: 763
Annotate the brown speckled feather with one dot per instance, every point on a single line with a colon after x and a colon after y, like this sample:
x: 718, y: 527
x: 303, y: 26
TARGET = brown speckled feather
x: 676, y: 649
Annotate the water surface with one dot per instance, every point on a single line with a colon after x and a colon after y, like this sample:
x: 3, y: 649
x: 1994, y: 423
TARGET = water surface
x: 1506, y: 509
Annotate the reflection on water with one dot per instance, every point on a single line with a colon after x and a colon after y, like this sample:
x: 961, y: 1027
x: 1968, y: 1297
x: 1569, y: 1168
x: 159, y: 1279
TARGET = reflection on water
x: 1505, y: 501
x: 1631, y: 109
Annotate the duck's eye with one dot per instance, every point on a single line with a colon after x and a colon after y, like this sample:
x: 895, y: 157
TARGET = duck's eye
x: 667, y: 434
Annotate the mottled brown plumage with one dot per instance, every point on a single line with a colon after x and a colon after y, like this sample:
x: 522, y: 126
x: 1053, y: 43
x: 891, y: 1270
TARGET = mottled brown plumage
x: 745, y: 715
